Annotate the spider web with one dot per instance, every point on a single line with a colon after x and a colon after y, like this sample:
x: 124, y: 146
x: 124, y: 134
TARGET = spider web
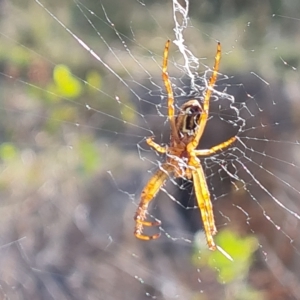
x: 81, y: 89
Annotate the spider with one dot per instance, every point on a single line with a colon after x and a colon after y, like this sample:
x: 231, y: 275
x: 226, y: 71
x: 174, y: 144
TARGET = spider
x: 187, y: 128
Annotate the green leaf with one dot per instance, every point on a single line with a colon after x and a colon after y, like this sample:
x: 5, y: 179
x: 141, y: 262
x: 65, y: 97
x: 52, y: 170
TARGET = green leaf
x: 239, y: 248
x: 67, y: 85
x: 94, y: 80
x: 8, y: 151
x: 88, y: 155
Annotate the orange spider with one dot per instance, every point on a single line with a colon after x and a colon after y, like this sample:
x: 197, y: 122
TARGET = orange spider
x: 187, y: 128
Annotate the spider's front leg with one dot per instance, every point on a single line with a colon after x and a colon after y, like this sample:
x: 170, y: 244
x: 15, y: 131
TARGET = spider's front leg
x: 156, y: 146
x: 147, y: 195
x: 212, y: 150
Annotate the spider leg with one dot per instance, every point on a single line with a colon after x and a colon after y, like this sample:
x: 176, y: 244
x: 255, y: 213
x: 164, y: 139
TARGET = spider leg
x: 156, y: 146
x: 147, y: 195
x: 168, y: 86
x: 205, y: 108
x: 212, y: 150
x: 204, y: 202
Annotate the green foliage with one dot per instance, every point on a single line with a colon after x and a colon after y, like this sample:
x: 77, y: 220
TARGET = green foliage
x: 19, y: 56
x: 240, y: 249
x: 89, y: 156
x: 8, y: 151
x: 59, y: 115
x: 233, y: 272
x: 128, y: 114
x: 94, y: 80
x: 66, y: 85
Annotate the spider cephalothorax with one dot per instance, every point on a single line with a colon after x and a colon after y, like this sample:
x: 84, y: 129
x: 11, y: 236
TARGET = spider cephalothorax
x: 186, y: 131
x: 187, y: 120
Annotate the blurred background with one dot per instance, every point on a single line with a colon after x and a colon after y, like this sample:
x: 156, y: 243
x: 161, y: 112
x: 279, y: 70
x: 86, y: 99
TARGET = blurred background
x: 73, y: 157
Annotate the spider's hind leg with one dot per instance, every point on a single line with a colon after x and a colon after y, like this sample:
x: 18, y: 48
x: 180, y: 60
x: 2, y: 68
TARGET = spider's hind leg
x: 147, y: 195
x: 140, y: 223
x: 204, y: 202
